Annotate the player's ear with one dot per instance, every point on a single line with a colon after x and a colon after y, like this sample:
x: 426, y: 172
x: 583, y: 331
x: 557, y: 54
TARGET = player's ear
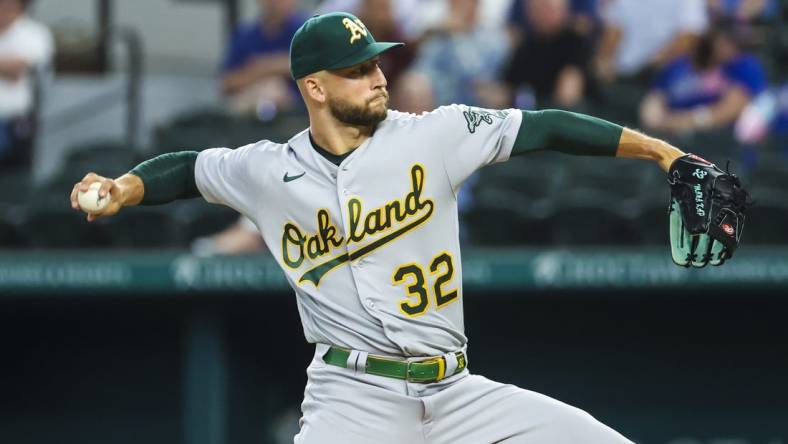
x: 314, y: 88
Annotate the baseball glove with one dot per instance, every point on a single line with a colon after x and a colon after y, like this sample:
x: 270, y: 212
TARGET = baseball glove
x: 706, y: 212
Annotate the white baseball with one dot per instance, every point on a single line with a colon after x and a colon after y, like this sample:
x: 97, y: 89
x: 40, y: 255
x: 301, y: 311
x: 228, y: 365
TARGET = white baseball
x: 90, y: 201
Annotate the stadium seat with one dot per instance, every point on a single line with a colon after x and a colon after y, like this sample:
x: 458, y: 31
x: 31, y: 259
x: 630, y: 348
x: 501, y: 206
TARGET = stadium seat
x: 591, y: 217
x: 197, y: 218
x: 108, y: 149
x: 536, y: 230
x: 279, y: 130
x: 771, y: 172
x: 499, y: 217
x: 207, y: 116
x: 767, y: 219
x: 593, y: 226
x: 14, y: 186
x: 652, y: 222
x: 500, y: 226
x: 143, y: 227
x: 508, y: 216
x: 529, y: 180
x: 169, y: 139
x: 11, y: 236
x: 214, y: 128
x: 625, y: 179
x: 288, y: 124
x: 714, y: 146
x: 619, y: 101
x: 54, y: 191
x: 110, y: 159
x: 195, y: 130
x: 60, y: 227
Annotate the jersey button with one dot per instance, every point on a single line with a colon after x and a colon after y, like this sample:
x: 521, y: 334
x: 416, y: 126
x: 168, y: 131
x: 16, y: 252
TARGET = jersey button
x: 345, y: 192
x: 370, y: 303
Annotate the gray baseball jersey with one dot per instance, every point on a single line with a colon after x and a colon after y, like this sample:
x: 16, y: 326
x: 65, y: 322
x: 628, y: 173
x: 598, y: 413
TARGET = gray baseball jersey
x: 371, y: 247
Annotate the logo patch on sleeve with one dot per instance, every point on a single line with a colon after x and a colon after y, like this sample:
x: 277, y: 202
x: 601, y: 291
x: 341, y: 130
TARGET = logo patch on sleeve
x: 474, y: 117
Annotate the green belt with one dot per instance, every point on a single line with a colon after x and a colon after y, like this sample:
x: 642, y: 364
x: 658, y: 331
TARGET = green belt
x: 428, y: 370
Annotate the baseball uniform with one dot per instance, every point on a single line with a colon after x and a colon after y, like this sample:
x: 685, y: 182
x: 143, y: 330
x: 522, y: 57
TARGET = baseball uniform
x: 369, y: 242
x: 371, y: 248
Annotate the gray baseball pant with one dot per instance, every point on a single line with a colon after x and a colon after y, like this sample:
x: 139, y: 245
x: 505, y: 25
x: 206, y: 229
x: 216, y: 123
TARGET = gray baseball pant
x: 346, y: 406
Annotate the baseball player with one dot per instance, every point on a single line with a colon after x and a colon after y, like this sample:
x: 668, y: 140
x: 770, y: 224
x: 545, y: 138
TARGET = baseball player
x: 360, y: 211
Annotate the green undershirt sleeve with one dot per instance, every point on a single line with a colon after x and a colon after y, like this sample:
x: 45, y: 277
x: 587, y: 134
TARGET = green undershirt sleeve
x: 567, y: 132
x: 168, y: 177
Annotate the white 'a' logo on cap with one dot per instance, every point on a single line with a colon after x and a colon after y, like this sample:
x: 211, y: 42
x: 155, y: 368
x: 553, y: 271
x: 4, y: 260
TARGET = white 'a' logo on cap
x: 356, y: 29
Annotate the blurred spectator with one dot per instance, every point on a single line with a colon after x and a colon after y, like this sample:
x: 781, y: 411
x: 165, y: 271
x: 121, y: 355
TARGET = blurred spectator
x: 758, y: 119
x: 765, y: 119
x: 646, y: 34
x: 584, y: 18
x: 256, y: 69
x: 386, y: 20
x: 742, y: 10
x: 241, y: 237
x: 25, y: 46
x: 779, y: 125
x: 415, y: 17
x: 765, y: 113
x: 458, y: 56
x: 402, y: 12
x: 494, y: 12
x: 551, y: 58
x: 378, y: 16
x: 706, y: 90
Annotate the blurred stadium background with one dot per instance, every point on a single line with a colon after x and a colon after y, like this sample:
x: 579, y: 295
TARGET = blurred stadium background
x: 172, y: 324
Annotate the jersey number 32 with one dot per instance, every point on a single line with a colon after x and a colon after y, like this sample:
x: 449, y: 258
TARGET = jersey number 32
x: 412, y: 275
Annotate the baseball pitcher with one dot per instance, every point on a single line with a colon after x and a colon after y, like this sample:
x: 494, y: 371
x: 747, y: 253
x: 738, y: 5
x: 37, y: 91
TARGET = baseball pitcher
x: 360, y: 211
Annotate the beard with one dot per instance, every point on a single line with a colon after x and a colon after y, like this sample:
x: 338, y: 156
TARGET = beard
x: 358, y: 115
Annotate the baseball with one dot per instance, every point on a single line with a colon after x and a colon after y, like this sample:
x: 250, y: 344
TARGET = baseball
x: 89, y: 200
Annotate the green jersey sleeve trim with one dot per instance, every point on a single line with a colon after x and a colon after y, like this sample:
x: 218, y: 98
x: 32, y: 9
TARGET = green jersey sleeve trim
x: 168, y: 177
x: 567, y: 132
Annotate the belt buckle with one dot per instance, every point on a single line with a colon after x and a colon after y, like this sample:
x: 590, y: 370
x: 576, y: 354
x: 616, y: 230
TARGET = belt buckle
x: 439, y: 361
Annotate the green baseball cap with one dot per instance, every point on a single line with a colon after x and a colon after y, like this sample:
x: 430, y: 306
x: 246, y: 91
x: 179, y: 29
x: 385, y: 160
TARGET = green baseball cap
x: 332, y: 41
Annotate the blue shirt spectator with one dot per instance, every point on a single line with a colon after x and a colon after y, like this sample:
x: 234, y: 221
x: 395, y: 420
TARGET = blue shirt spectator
x: 781, y: 122
x: 707, y: 90
x: 744, y: 10
x: 248, y: 40
x: 765, y: 116
x: 685, y: 87
x: 256, y: 68
x: 518, y: 15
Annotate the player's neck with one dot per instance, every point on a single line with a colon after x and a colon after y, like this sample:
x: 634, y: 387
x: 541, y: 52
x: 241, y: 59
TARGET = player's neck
x: 337, y: 138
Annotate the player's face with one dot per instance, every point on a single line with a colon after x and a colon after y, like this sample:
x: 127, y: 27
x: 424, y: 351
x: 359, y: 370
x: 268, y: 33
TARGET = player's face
x: 357, y: 95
